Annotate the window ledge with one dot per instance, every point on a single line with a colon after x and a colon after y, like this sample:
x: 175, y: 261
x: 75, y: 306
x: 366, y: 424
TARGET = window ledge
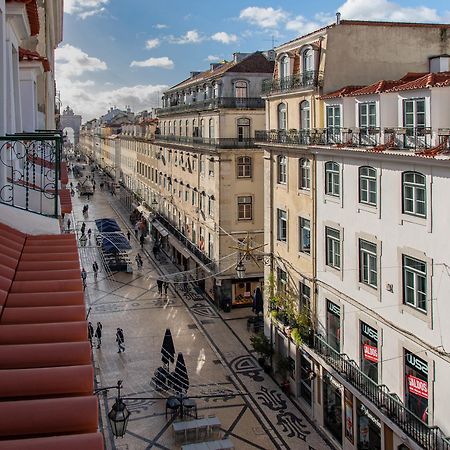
x: 302, y: 191
x: 418, y: 220
x: 424, y: 316
x: 363, y: 207
x: 332, y: 199
x: 304, y: 255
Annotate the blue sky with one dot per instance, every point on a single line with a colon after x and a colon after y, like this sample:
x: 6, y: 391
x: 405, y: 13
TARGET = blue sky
x: 126, y: 52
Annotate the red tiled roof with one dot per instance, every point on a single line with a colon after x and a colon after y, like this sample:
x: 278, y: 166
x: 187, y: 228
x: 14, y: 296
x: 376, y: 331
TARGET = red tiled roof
x: 46, y: 374
x: 385, y: 85
x: 347, y: 90
x: 32, y: 13
x: 29, y: 55
x: 426, y: 81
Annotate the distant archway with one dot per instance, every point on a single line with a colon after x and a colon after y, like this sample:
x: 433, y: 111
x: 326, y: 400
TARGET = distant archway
x: 70, y: 120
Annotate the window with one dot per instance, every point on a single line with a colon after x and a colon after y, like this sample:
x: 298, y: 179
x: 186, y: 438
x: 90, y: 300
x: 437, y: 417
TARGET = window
x: 414, y: 113
x: 240, y: 89
x: 210, y: 206
x: 282, y: 225
x: 304, y: 235
x: 368, y: 272
x: 332, y: 179
x: 367, y: 115
x: 308, y: 60
x: 305, y: 296
x: 282, y: 119
x: 333, y: 119
x: 369, y: 351
x: 304, y: 174
x: 414, y: 194
x: 368, y: 186
x: 194, y: 198
x: 334, y: 325
x: 333, y: 247
x: 245, y: 207
x: 305, y: 122
x: 415, y: 283
x: 282, y: 169
x: 284, y: 67
x: 211, y: 129
x: 243, y: 128
x: 202, y: 128
x: 282, y: 280
x: 244, y: 167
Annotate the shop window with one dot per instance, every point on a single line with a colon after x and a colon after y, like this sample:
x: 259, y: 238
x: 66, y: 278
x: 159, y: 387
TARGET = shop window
x: 369, y: 429
x: 334, y: 325
x: 369, y: 351
x: 416, y: 385
x: 305, y: 379
x: 332, y: 406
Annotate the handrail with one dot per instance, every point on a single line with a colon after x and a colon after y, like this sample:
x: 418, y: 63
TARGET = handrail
x: 429, y: 437
x: 32, y: 170
x: 208, y: 142
x: 308, y: 79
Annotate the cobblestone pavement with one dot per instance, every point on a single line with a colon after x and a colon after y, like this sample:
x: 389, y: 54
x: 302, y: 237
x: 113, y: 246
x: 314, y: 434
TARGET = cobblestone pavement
x: 255, y: 414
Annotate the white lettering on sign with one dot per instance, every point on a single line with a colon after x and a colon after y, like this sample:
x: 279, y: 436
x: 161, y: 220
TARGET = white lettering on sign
x: 370, y: 353
x: 369, y: 414
x: 334, y: 309
x: 333, y: 382
x: 417, y: 363
x: 417, y: 386
x: 369, y: 332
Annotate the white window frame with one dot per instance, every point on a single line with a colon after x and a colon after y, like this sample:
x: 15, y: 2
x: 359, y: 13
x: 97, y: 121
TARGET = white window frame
x: 333, y: 178
x: 244, y: 166
x: 304, y: 174
x: 368, y: 185
x: 282, y: 231
x: 411, y: 279
x: 415, y: 187
x: 304, y: 224
x: 245, y: 207
x: 333, y: 248
x: 282, y: 169
x: 368, y: 263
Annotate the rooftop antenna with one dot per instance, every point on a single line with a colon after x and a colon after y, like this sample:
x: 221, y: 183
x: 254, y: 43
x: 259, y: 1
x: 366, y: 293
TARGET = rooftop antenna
x: 272, y: 40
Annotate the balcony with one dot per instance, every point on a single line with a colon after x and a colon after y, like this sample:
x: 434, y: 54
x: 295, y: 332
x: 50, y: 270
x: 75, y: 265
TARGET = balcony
x: 213, y: 103
x: 417, y: 138
x: 30, y: 168
x: 215, y: 143
x: 189, y: 245
x: 306, y: 80
x: 428, y: 437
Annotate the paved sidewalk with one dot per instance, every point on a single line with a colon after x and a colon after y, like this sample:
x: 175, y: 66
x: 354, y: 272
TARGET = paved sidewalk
x: 216, y: 352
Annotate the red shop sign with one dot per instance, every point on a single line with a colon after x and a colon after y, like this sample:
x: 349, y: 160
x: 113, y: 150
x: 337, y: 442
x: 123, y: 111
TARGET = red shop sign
x: 418, y: 386
x: 370, y: 353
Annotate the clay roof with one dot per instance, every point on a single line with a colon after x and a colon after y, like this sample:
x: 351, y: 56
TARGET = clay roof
x: 46, y: 373
x: 30, y: 55
x: 32, y: 13
x: 340, y: 92
x: 254, y: 63
x: 426, y: 81
x: 385, y: 85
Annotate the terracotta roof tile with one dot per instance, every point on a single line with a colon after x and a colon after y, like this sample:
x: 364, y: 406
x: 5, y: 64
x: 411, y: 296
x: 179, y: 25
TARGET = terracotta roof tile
x: 426, y: 81
x: 30, y: 55
x: 385, y: 85
x: 347, y: 90
x: 32, y: 13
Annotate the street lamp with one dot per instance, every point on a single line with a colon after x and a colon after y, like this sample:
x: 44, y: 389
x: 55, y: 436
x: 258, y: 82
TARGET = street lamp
x: 240, y: 270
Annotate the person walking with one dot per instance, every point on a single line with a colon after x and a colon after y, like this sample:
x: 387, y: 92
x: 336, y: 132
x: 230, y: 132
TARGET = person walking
x: 89, y: 234
x: 90, y: 332
x: 95, y: 269
x: 84, y: 278
x: 166, y: 287
x: 120, y: 339
x: 83, y: 228
x: 159, y: 283
x: 68, y: 224
x: 142, y: 240
x: 98, y: 334
x: 129, y: 235
x: 141, y: 263
x: 136, y: 233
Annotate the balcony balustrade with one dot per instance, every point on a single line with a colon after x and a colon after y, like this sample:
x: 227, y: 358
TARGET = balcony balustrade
x: 207, y: 142
x: 214, y: 103
x: 429, y: 437
x: 309, y: 79
x: 30, y: 170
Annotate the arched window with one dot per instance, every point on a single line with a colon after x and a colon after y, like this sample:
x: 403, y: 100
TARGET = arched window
x: 187, y: 127
x: 284, y: 66
x: 194, y: 128
x: 414, y: 194
x: 181, y: 128
x: 212, y: 133
x: 170, y: 127
x: 305, y: 123
x: 244, y: 167
x: 304, y: 173
x: 281, y: 169
x: 332, y: 179
x: 243, y: 129
x: 282, y: 125
x: 241, y: 89
x: 368, y: 185
x: 308, y: 60
x: 202, y: 128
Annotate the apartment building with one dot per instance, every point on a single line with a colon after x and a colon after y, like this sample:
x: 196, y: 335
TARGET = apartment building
x: 306, y: 130
x: 205, y: 174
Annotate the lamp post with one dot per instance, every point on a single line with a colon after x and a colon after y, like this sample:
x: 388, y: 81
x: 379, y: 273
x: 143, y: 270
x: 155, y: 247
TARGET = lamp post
x: 240, y: 270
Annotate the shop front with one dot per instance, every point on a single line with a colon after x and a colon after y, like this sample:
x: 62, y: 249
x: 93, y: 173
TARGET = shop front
x: 369, y: 428
x: 369, y: 351
x: 306, y: 378
x: 416, y: 385
x: 332, y: 406
x: 243, y: 291
x: 333, y: 325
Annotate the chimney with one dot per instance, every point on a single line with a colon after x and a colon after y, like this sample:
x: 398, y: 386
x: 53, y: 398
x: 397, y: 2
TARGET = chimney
x: 214, y: 66
x: 238, y: 57
x: 338, y: 18
x: 194, y: 74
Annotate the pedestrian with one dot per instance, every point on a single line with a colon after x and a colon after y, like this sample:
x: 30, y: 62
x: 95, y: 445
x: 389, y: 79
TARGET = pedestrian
x: 159, y: 283
x: 166, y: 287
x: 72, y: 193
x: 136, y: 233
x: 98, y: 334
x: 120, y: 339
x: 141, y: 263
x: 128, y: 235
x: 90, y: 332
x: 142, y: 240
x: 95, y: 269
x: 83, y: 228
x: 89, y: 234
x: 68, y: 224
x: 84, y: 278
x: 155, y: 251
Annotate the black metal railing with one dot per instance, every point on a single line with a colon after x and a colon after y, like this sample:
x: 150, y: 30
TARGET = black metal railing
x: 189, y: 245
x: 30, y: 170
x: 207, y: 142
x: 429, y: 437
x: 214, y: 103
x: 309, y: 79
x: 414, y: 138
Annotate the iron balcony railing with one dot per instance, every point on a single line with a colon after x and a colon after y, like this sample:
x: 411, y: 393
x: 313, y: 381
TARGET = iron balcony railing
x: 429, y: 437
x: 30, y: 170
x: 309, y: 79
x: 414, y: 138
x: 189, y: 245
x: 214, y: 103
x: 207, y: 142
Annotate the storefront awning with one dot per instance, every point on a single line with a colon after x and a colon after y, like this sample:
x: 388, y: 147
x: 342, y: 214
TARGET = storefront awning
x: 176, y: 244
x: 161, y: 230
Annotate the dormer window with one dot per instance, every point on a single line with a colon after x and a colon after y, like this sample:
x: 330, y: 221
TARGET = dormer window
x: 284, y: 66
x: 308, y: 60
x: 240, y: 89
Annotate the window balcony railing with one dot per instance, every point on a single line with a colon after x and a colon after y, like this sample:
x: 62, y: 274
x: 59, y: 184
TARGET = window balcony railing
x: 414, y: 138
x: 428, y: 437
x: 189, y: 245
x: 214, y: 103
x: 309, y: 79
x: 30, y: 168
x: 207, y: 142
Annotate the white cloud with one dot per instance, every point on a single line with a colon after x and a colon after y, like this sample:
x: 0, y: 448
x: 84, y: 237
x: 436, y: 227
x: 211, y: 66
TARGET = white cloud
x: 224, y: 37
x: 263, y: 17
x: 152, y: 43
x: 212, y: 58
x: 191, y: 37
x: 160, y: 26
x: 84, y: 8
x: 73, y: 62
x: 302, y: 26
x: 163, y: 62
x: 388, y: 10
